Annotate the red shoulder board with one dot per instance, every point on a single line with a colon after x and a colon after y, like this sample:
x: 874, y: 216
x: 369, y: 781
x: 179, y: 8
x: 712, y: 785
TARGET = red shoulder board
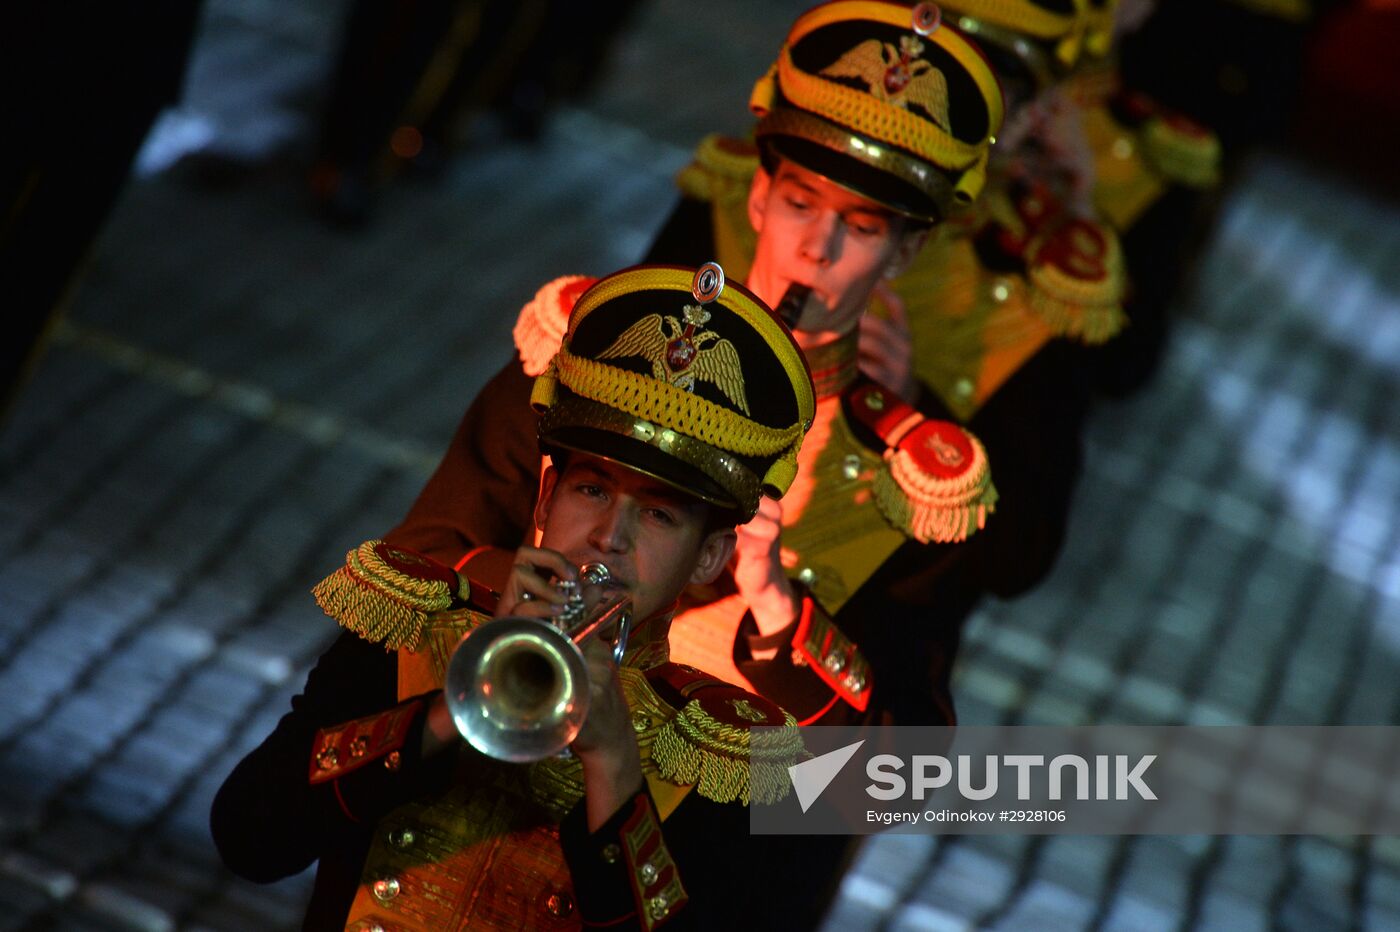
x: 940, y: 448
x: 935, y: 485
x: 414, y: 565
x: 726, y: 703
x: 881, y: 411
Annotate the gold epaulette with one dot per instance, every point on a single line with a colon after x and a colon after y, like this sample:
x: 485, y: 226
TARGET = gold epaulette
x: 1077, y: 278
x: 936, y: 484
x: 540, y: 328
x: 711, y: 743
x: 722, y: 166
x: 385, y: 594
x: 1181, y: 149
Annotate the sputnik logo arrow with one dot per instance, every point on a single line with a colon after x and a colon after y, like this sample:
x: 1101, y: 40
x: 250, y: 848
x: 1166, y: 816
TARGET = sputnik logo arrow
x: 811, y: 777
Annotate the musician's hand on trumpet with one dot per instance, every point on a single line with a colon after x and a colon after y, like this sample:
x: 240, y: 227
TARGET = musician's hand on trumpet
x: 607, y: 744
x: 532, y: 590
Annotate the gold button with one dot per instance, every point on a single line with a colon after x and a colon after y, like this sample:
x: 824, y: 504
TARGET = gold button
x: 659, y: 905
x: 1122, y: 148
x: 392, y: 761
x: 1000, y: 292
x: 855, y: 682
x: 643, y: 431
x: 850, y: 466
x: 401, y: 838
x: 641, y: 721
x: 668, y: 440
x: 963, y: 388
x: 807, y: 576
x: 328, y: 759
x: 647, y: 873
x: 799, y: 659
x: 835, y: 662
x: 559, y: 904
x: 875, y: 401
x: 611, y: 853
x: 385, y: 889
x: 358, y: 747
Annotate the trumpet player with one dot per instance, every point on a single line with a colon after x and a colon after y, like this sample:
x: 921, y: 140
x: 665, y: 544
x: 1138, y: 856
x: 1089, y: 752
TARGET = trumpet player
x: 844, y: 601
x: 673, y: 403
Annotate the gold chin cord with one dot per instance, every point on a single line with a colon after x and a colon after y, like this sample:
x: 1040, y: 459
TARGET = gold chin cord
x: 518, y: 688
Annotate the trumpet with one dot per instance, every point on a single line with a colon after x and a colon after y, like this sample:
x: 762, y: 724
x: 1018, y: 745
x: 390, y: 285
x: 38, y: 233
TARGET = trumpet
x: 517, y: 687
x: 789, y: 309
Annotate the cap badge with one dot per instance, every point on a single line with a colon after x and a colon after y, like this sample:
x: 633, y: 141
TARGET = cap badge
x: 679, y: 355
x: 899, y: 77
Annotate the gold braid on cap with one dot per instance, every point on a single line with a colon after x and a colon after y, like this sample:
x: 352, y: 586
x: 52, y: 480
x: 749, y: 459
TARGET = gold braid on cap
x: 858, y: 112
x: 667, y: 407
x: 736, y: 479
x: 663, y: 278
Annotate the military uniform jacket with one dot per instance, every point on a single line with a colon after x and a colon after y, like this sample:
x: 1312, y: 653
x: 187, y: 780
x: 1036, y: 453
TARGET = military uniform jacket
x: 901, y: 623
x: 1030, y: 420
x: 340, y: 782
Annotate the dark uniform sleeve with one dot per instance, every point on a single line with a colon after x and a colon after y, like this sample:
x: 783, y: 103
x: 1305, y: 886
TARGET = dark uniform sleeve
x: 1032, y: 429
x: 810, y: 668
x: 483, y: 491
x: 1159, y: 250
x: 700, y: 869
x: 346, y: 753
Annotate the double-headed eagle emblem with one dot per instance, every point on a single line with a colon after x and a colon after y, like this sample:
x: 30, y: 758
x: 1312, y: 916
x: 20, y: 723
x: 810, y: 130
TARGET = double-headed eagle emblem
x: 897, y: 76
x: 679, y: 355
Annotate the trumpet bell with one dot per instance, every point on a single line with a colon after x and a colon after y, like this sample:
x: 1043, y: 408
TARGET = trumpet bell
x: 517, y: 689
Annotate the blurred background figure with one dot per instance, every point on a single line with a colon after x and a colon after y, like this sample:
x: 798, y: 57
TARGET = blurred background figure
x: 84, y: 83
x: 407, y: 74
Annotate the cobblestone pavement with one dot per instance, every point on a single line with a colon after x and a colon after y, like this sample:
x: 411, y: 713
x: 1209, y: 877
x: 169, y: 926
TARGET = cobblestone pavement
x: 239, y: 395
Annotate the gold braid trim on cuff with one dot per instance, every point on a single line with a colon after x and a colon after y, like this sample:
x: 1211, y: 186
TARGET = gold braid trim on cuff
x: 931, y: 509
x: 540, y: 328
x: 727, y: 762
x: 378, y: 602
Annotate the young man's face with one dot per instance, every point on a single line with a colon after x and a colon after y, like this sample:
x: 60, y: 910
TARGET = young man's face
x: 649, y: 535
x: 813, y: 232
